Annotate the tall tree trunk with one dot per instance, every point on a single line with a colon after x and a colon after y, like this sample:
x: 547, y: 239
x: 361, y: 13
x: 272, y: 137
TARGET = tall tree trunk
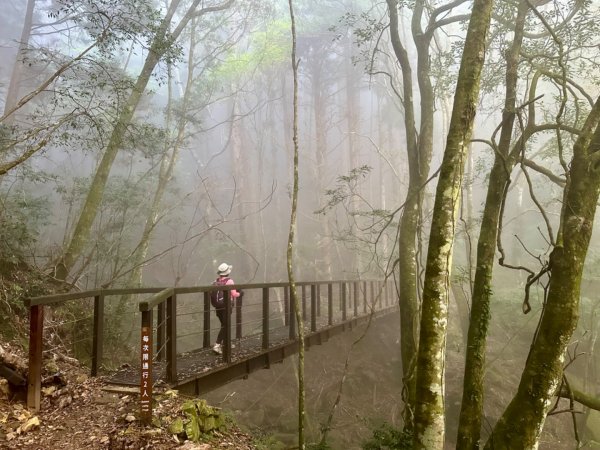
x: 472, y: 400
x: 290, y: 246
x: 320, y: 114
x: 522, y: 422
x: 161, y: 42
x: 429, y: 414
x: 167, y: 165
x: 352, y: 118
x: 15, y: 79
x: 409, y: 303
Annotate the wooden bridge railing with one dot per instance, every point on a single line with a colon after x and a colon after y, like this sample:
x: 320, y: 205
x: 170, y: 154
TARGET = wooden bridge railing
x: 161, y: 308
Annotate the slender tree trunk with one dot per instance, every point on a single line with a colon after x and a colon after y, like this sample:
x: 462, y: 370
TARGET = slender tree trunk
x: 290, y: 246
x: 167, y: 165
x: 429, y: 415
x: 353, y: 124
x: 522, y: 422
x: 409, y: 303
x: 320, y: 114
x: 15, y: 79
x: 472, y: 400
x: 161, y: 42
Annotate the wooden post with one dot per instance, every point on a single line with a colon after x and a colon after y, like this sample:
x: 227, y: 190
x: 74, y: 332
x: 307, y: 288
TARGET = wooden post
x: 238, y: 317
x: 227, y: 347
x: 364, y: 297
x: 303, y: 302
x: 206, y: 330
x: 172, y: 338
x: 318, y: 300
x: 34, y: 378
x: 372, y: 303
x: 343, y: 302
x: 286, y: 305
x: 160, y: 331
x: 329, y: 303
x: 98, y: 337
x: 355, y: 298
x: 146, y: 368
x: 387, y: 296
x: 265, y: 317
x: 292, y: 319
x: 313, y: 307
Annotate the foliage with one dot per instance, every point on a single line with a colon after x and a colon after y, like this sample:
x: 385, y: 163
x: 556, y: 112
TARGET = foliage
x: 17, y: 282
x: 21, y: 216
x: 115, y: 23
x: 268, y: 48
x: 386, y: 437
x: 345, y: 189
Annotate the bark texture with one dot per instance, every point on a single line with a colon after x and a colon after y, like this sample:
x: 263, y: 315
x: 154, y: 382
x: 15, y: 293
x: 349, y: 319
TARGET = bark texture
x: 161, y: 42
x: 290, y: 246
x: 419, y: 149
x: 472, y: 401
x: 429, y: 416
x: 522, y: 422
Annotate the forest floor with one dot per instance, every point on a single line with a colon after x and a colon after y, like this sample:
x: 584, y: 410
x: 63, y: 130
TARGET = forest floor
x: 79, y: 412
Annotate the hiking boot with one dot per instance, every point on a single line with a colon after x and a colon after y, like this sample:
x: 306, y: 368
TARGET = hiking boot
x: 217, y: 349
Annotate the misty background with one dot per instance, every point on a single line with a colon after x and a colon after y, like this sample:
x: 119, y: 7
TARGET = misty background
x: 203, y: 173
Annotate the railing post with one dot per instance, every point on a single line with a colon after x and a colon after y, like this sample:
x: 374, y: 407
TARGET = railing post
x: 387, y: 294
x: 172, y: 338
x: 98, y: 338
x: 313, y: 307
x: 227, y: 348
x: 146, y: 368
x: 206, y: 330
x: 34, y: 378
x: 303, y: 302
x: 292, y: 318
x: 160, y: 332
x: 355, y: 298
x: 238, y: 317
x: 364, y: 297
x: 343, y: 302
x: 318, y: 300
x: 286, y: 305
x: 265, y: 317
x: 329, y: 303
x: 372, y: 303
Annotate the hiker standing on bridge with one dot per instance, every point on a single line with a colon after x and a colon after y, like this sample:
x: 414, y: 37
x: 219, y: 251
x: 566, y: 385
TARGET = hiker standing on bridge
x: 217, y: 300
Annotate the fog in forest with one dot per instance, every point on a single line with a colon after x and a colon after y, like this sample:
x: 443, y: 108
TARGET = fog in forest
x: 134, y: 156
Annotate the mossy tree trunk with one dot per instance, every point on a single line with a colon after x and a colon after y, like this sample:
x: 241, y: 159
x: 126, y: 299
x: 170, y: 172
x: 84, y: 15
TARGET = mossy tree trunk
x: 419, y: 148
x: 429, y: 413
x: 290, y: 246
x: 408, y: 296
x: 167, y: 165
x: 522, y: 422
x: 161, y: 43
x: 504, y: 161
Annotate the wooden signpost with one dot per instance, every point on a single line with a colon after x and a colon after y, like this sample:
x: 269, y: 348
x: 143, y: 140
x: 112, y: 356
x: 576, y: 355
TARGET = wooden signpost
x: 146, y: 375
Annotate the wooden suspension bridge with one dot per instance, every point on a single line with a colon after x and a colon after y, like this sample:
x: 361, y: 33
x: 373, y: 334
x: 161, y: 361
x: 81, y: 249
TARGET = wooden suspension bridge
x: 177, y: 326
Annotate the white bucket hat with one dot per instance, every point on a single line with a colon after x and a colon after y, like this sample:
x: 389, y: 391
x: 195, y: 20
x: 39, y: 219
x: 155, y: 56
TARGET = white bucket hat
x: 224, y: 269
